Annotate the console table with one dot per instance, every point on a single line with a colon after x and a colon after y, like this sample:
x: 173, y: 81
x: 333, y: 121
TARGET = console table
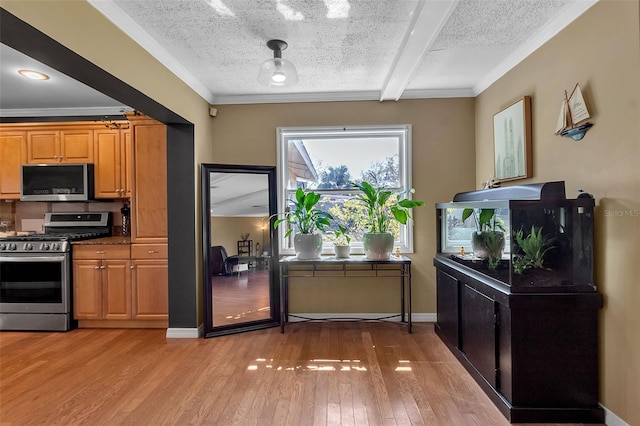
x: 354, y: 266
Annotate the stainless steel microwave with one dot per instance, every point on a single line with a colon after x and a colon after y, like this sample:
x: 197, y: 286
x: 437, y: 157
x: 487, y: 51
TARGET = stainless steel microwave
x: 56, y: 182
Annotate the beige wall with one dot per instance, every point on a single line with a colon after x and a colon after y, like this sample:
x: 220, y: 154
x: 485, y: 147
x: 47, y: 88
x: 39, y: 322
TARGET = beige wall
x: 601, y: 51
x: 225, y: 231
x: 443, y: 164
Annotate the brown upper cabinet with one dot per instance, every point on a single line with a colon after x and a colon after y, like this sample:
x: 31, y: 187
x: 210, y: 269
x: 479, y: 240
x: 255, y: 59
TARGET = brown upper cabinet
x: 149, y: 182
x: 59, y: 146
x: 13, y: 153
x: 112, y: 163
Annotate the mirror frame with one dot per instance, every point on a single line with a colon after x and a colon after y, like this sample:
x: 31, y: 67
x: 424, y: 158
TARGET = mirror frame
x: 210, y: 329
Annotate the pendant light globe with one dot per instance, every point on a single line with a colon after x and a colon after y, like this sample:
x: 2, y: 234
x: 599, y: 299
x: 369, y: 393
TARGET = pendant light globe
x: 277, y: 72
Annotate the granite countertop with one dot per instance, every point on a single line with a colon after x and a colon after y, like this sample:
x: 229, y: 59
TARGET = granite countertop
x: 117, y: 239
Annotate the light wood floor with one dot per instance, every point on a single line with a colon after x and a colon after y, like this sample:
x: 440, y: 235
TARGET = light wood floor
x: 314, y: 374
x: 240, y: 297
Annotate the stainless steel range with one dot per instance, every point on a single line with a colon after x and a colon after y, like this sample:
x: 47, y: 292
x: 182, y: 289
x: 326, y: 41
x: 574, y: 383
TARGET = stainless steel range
x: 35, y: 272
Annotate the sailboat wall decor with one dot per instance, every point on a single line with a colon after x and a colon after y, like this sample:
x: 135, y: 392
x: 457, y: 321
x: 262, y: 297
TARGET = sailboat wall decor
x: 573, y: 115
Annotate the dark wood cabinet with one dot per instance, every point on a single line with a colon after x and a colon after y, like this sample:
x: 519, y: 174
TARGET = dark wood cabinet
x: 448, y: 311
x: 478, y: 329
x: 534, y: 354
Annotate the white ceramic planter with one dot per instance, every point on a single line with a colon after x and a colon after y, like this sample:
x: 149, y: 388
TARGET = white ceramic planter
x: 377, y: 246
x: 307, y: 246
x: 341, y: 252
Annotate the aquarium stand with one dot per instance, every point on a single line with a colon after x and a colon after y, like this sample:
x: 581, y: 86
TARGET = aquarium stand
x: 534, y: 354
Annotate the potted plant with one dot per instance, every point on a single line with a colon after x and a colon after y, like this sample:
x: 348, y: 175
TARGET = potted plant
x: 487, y: 241
x: 307, y: 219
x: 382, y: 206
x: 341, y: 240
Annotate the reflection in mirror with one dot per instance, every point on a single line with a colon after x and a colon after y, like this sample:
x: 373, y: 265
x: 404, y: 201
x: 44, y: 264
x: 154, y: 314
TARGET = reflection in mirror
x: 240, y: 289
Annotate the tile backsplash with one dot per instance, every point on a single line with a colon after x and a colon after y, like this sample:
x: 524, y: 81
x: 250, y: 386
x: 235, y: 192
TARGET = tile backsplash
x: 29, y: 215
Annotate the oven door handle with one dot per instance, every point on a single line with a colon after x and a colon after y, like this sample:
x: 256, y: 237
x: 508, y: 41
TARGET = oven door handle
x: 32, y: 258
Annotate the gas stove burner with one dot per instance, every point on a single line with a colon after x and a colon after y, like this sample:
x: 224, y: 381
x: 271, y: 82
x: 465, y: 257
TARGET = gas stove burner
x: 60, y: 229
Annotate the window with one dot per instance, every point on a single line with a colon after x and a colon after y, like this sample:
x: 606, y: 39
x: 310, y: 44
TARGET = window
x: 327, y: 160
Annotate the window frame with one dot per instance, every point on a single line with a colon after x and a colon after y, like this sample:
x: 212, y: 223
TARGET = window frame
x: 402, y: 132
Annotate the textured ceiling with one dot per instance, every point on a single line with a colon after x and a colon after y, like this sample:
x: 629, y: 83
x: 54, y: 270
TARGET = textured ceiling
x: 342, y: 49
x: 350, y: 49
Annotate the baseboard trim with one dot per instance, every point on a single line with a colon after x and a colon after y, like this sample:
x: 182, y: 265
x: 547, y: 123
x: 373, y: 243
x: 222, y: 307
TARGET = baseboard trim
x: 185, y: 333
x: 610, y: 419
x: 415, y: 317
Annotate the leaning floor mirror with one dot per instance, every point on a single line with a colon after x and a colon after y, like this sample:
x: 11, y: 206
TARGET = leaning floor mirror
x: 240, y: 268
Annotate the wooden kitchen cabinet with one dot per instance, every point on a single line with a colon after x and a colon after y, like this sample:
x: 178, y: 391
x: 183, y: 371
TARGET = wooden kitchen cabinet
x: 102, y: 289
x: 150, y: 281
x: 102, y: 282
x: 150, y: 289
x: 73, y: 146
x: 13, y: 153
x: 112, y: 163
x: 121, y: 282
x: 149, y: 182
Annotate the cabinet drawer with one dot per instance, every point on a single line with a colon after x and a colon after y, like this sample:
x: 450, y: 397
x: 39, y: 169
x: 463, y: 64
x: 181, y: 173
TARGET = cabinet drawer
x: 101, y: 251
x: 149, y: 251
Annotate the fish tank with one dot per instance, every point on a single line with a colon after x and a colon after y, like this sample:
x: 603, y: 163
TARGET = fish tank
x: 529, y: 238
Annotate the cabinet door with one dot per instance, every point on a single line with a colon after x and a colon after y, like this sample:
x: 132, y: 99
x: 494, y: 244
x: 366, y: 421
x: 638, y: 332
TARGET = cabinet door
x: 43, y: 147
x: 479, y: 332
x: 76, y: 146
x: 125, y: 161
x: 150, y: 287
x: 87, y: 289
x: 12, y: 155
x: 149, y: 201
x: 448, y: 307
x: 107, y: 166
x: 116, y: 287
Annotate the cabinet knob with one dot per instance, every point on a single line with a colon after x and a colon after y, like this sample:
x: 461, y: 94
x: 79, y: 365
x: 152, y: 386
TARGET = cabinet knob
x: 96, y: 267
x: 102, y: 267
x: 99, y: 251
x: 132, y: 267
x: 152, y: 251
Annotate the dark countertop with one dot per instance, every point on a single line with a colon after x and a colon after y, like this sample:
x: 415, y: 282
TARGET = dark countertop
x: 118, y: 239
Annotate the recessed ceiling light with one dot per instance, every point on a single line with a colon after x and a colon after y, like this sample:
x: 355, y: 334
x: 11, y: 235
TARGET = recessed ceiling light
x: 33, y: 74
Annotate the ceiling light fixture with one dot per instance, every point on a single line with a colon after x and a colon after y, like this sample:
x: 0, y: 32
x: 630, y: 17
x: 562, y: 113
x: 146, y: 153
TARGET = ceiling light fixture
x: 35, y: 75
x: 277, y: 72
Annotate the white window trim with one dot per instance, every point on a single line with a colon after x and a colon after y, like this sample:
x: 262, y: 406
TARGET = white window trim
x: 283, y: 134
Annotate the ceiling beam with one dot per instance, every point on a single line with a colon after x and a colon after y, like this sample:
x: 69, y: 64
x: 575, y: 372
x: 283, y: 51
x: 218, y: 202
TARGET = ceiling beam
x: 427, y: 21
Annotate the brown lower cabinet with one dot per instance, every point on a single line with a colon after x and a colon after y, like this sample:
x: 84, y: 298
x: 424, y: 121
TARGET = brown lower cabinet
x: 534, y: 354
x: 117, y: 285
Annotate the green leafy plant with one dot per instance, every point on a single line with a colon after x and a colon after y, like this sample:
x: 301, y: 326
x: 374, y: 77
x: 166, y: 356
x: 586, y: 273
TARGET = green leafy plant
x: 304, y: 215
x: 494, y: 243
x: 383, y: 205
x: 340, y: 237
x: 534, y: 246
x: 484, y: 219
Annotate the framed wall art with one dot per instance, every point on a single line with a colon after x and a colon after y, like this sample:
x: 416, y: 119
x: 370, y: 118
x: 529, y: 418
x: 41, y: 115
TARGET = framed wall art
x: 512, y: 141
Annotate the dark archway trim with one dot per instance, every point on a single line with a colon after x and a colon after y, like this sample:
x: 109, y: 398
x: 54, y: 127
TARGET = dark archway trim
x: 183, y: 301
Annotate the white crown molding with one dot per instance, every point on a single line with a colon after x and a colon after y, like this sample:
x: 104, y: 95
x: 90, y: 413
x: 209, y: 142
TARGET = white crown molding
x: 437, y: 93
x: 337, y: 96
x: 64, y: 112
x: 546, y: 32
x: 427, y: 21
x: 280, y: 98
x: 116, y: 15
